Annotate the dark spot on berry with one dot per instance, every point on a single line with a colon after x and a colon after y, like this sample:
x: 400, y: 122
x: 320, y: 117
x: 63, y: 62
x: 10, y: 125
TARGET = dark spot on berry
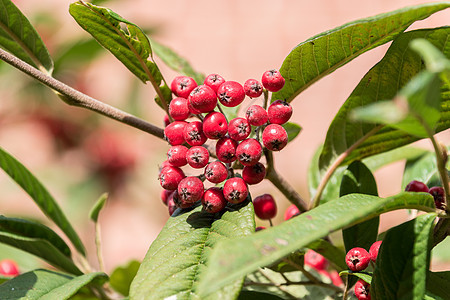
x: 234, y: 195
x: 244, y: 157
x: 277, y: 144
x: 194, y: 135
x: 224, y: 97
x: 184, y: 193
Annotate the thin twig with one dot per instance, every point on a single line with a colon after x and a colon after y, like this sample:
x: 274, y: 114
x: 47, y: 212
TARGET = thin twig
x: 98, y: 245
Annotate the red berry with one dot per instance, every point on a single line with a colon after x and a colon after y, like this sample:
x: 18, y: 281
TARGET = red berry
x: 272, y: 80
x: 253, y: 88
x: 373, y: 251
x: 256, y: 115
x: 239, y: 129
x: 357, y: 259
x: 215, y: 125
x: 213, y: 200
x: 438, y: 194
x: 235, y: 190
x: 254, y: 174
x: 362, y: 290
x: 171, y: 206
x: 334, y: 276
x: 193, y: 133
x: 265, y: 207
x: 214, y: 81
x: 315, y: 260
x: 179, y: 202
x: 226, y: 150
x: 169, y: 177
x: 173, y: 133
x: 259, y: 228
x: 165, y: 194
x: 279, y: 112
x: 197, y: 157
x: 182, y: 86
x: 179, y: 109
x: 416, y: 186
x: 203, y: 99
x: 9, y: 267
x: 291, y: 211
x: 216, y: 172
x: 231, y: 93
x: 274, y: 137
x: 249, y: 152
x: 190, y: 189
x: 176, y: 155
x: 165, y: 164
x: 166, y: 120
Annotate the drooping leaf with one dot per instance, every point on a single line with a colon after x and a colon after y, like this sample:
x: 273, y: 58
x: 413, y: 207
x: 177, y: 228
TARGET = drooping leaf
x: 227, y: 263
x: 122, y: 277
x: 324, y: 53
x: 292, y: 130
x: 403, y: 260
x: 438, y: 283
x: 23, y: 177
x: 364, y: 276
x: 19, y: 37
x: 95, y: 211
x: 178, y: 256
x: 47, y: 285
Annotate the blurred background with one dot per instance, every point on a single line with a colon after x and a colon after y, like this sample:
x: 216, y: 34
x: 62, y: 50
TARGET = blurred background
x: 78, y: 155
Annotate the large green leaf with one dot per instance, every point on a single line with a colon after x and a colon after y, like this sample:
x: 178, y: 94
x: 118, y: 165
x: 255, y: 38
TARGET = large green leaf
x: 229, y: 262
x: 383, y: 82
x: 438, y: 283
x: 20, y: 38
x: 47, y: 285
x: 178, y: 256
x: 324, y: 53
x: 403, y: 260
x: 40, y: 195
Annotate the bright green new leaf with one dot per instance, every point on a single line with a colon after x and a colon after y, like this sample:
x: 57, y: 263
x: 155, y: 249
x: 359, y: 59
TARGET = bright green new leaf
x: 121, y: 277
x: 98, y: 206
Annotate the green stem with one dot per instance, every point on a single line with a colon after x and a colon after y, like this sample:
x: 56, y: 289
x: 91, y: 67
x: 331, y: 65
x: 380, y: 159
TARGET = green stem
x: 344, y: 297
x: 98, y: 245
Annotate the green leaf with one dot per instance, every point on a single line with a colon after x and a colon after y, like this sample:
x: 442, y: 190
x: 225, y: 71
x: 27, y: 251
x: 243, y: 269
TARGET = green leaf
x: 383, y: 81
x: 333, y: 254
x: 40, y: 195
x: 324, y: 53
x: 435, y: 60
x: 47, y: 285
x: 228, y: 262
x: 98, y: 206
x: 403, y: 260
x: 19, y: 37
x: 252, y: 295
x: 76, y: 54
x: 292, y: 130
x: 364, y: 276
x: 178, y: 256
x: 423, y: 169
x: 122, y: 277
x: 438, y: 283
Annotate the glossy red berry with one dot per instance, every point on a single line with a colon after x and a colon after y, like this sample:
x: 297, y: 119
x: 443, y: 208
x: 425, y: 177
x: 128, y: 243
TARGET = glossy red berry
x: 315, y: 260
x: 272, y: 80
x: 226, y: 150
x: 231, y: 93
x: 169, y: 177
x: 235, y: 190
x: 291, y: 211
x: 179, y: 109
x: 193, y: 133
x: 197, y: 157
x: 165, y: 194
x: 190, y: 189
x: 253, y: 88
x: 173, y: 133
x: 213, y: 200
x: 203, y: 99
x: 259, y: 228
x: 416, y: 186
x: 373, y: 251
x: 215, y: 125
x: 362, y: 290
x: 216, y: 172
x: 256, y: 115
x: 274, y: 137
x: 176, y: 155
x: 265, y: 207
x: 279, y: 112
x: 182, y: 86
x: 254, y: 174
x: 357, y: 259
x: 179, y: 202
x: 249, y: 152
x: 438, y: 194
x: 214, y: 81
x: 239, y: 129
x: 9, y: 267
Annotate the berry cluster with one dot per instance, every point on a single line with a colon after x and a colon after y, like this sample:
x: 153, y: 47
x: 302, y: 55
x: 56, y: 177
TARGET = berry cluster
x: 437, y: 192
x: 199, y: 125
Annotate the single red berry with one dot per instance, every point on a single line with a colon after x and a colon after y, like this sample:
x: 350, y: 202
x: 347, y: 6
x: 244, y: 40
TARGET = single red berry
x: 239, y: 129
x: 357, y: 259
x: 226, y: 150
x: 203, y: 99
x: 165, y: 194
x: 179, y: 109
x: 171, y: 206
x: 182, y: 86
x: 249, y: 152
x: 335, y: 278
x: 165, y: 164
x: 256, y: 115
x: 9, y: 267
x: 235, y: 190
x: 180, y: 202
x: 279, y: 112
x: 213, y: 200
x: 253, y: 88
x: 254, y: 174
x: 291, y: 211
x: 416, y: 186
x: 272, y: 80
x: 176, y: 155
x: 197, y: 157
x: 259, y: 228
x: 438, y: 194
x: 274, y: 137
x: 373, y: 251
x: 173, y: 133
x: 315, y: 260
x: 166, y: 120
x: 190, y: 189
x: 362, y: 290
x: 214, y: 81
x: 231, y: 93
x: 169, y: 177
x: 265, y: 207
x: 215, y: 125
x: 216, y: 172
x: 193, y: 133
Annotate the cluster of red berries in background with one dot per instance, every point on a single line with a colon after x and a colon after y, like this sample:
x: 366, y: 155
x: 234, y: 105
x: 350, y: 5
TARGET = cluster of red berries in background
x: 200, y: 133
x: 437, y: 192
x: 9, y: 268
